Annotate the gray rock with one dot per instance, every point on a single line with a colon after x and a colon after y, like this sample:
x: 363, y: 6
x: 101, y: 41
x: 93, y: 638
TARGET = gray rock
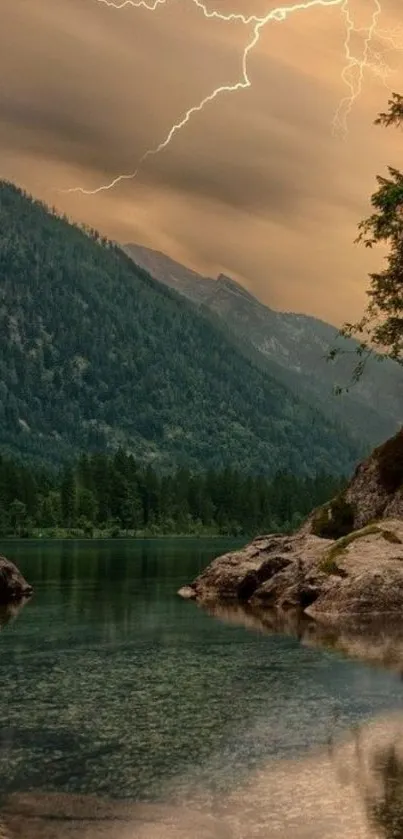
x: 13, y: 586
x: 372, y: 582
x: 346, y: 559
x: 360, y: 574
x: 237, y: 575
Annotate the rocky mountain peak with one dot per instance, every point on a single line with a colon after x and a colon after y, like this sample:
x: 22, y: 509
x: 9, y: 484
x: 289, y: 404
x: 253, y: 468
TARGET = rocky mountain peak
x: 231, y: 285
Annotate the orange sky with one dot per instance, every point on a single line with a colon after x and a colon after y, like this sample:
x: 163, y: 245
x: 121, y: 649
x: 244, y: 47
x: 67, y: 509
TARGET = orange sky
x: 255, y: 186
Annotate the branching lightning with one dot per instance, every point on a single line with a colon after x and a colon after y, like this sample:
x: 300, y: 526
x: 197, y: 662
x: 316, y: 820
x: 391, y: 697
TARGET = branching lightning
x: 393, y: 37
x: 241, y: 85
x: 352, y: 74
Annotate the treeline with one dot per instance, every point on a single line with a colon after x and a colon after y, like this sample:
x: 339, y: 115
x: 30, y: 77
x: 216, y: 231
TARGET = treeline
x: 114, y: 496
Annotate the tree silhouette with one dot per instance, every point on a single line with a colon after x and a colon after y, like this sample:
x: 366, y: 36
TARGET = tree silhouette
x: 381, y: 327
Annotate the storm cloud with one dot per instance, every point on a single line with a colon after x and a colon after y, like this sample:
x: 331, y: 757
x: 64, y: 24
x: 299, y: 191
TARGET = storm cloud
x: 256, y: 185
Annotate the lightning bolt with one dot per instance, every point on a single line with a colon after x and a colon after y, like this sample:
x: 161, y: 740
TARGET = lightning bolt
x: 244, y: 83
x: 393, y: 41
x: 352, y: 74
x: 136, y: 5
x: 394, y: 37
x: 241, y: 85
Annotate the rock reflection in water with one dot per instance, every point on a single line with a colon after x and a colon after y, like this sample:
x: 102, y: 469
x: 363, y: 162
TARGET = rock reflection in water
x: 10, y: 611
x: 377, y: 640
x: 385, y: 808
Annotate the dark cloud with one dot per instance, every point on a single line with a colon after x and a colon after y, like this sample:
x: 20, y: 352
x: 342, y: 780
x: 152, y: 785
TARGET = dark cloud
x: 255, y: 185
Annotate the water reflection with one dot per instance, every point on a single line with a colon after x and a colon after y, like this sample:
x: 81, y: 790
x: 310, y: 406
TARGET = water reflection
x: 10, y: 611
x: 377, y: 640
x: 127, y: 713
x: 354, y: 790
x: 385, y: 808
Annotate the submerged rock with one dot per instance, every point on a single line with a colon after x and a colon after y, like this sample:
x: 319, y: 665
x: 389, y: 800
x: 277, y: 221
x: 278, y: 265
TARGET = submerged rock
x: 13, y: 586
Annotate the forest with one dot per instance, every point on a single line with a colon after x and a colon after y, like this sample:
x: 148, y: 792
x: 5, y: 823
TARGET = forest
x: 114, y: 496
x: 95, y: 355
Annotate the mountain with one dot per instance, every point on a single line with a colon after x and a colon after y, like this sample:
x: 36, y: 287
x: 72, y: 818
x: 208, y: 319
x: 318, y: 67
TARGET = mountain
x: 95, y: 354
x: 294, y: 347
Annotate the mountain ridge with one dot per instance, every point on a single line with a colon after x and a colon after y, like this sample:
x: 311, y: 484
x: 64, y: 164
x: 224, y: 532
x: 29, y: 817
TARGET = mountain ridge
x: 293, y: 346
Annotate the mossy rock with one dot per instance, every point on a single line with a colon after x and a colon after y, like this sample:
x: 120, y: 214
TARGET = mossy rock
x: 390, y: 463
x: 334, y: 520
x: 329, y: 564
x: 391, y: 537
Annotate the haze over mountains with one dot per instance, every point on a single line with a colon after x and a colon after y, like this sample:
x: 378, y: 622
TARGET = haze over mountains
x: 96, y: 354
x: 293, y: 348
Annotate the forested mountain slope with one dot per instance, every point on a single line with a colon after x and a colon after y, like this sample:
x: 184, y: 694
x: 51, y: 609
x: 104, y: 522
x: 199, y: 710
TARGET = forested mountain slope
x: 95, y: 354
x: 294, y: 348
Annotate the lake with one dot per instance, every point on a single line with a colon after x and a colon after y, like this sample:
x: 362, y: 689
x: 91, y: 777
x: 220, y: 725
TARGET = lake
x: 113, y: 686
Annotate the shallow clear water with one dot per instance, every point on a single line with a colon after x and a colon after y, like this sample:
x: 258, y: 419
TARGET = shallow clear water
x: 111, y: 684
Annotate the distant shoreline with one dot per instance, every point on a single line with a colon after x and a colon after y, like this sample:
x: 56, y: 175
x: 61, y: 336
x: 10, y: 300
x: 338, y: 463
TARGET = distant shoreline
x: 103, y: 536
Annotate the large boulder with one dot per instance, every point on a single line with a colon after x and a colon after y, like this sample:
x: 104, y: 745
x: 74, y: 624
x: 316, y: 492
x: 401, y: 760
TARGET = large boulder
x: 13, y: 586
x: 236, y: 575
x: 359, y: 574
x: 272, y: 568
x: 346, y: 559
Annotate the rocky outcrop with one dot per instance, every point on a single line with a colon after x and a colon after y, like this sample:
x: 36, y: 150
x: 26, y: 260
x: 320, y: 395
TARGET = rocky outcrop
x: 13, y: 586
x: 359, y: 574
x: 374, y: 492
x: 268, y: 563
x: 346, y: 559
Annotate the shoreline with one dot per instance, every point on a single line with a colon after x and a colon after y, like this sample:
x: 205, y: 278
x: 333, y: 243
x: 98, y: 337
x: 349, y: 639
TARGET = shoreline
x: 104, y: 536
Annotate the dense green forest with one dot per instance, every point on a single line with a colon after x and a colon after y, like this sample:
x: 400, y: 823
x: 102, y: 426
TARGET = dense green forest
x: 96, y: 355
x: 116, y: 496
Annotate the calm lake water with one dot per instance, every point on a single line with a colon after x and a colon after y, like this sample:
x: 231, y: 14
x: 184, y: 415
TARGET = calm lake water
x: 112, y: 685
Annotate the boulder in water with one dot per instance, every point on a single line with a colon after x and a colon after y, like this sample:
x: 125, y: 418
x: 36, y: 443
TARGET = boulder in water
x: 13, y: 586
